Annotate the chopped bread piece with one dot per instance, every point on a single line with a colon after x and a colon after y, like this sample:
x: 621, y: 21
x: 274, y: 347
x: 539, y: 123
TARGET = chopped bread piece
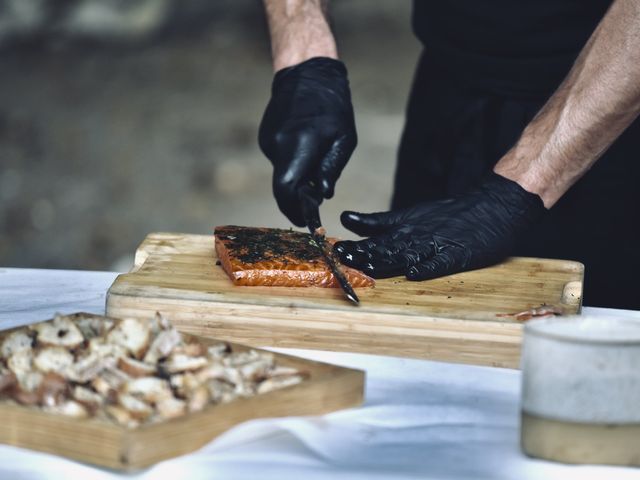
x: 184, y: 383
x: 121, y: 416
x: 115, y: 376
x: 102, y: 348
x: 245, y: 388
x: 198, y: 399
x: 53, y: 389
x: 92, y: 327
x: 256, y: 371
x: 136, y: 368
x: 138, y: 409
x: 69, y: 408
x: 171, y: 407
x: 221, y: 391
x: 276, y: 383
x: 60, y: 332
x: 151, y: 389
x: 91, y: 400
x: 242, y: 358
x: 104, y: 388
x: 190, y: 350
x: 16, y: 342
x: 86, y: 395
x: 7, y: 379
x: 278, y: 370
x: 218, y: 350
x: 178, y: 383
x: 21, y: 362
x: 89, y: 367
x: 53, y: 359
x: 109, y: 381
x: 25, y: 397
x: 162, y: 345
x: 233, y: 376
x: 211, y: 371
x: 30, y: 381
x: 159, y: 323
x: 131, y: 334
x: 181, y: 363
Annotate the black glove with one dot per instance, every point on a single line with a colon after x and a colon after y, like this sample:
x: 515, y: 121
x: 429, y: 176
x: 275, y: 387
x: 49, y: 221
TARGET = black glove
x: 439, y: 238
x: 308, y: 130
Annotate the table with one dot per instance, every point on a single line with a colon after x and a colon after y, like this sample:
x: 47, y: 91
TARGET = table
x: 421, y: 419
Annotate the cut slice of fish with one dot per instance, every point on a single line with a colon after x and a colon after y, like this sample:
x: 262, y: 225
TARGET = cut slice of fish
x: 253, y: 256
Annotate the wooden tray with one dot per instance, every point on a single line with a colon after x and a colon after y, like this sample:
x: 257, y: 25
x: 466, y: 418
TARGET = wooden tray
x: 101, y: 442
x: 456, y: 318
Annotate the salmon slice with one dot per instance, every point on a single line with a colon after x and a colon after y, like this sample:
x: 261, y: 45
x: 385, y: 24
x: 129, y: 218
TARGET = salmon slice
x: 277, y: 258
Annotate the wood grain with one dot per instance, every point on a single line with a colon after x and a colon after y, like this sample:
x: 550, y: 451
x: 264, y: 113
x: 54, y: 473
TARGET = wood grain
x: 101, y: 442
x: 457, y: 318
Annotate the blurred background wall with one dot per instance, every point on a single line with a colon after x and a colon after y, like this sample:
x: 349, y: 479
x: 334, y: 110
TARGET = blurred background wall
x: 122, y: 117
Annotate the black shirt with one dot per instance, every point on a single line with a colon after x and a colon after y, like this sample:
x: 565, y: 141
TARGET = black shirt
x: 521, y: 47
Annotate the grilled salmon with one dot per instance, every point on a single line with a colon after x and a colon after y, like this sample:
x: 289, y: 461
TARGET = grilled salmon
x: 277, y: 258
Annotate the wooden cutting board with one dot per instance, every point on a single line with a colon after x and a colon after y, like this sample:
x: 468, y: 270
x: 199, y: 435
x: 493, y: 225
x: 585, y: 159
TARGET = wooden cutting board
x: 459, y: 318
x: 326, y: 388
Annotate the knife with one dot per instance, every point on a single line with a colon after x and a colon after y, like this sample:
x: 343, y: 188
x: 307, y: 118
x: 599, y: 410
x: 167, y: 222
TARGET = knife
x: 310, y: 201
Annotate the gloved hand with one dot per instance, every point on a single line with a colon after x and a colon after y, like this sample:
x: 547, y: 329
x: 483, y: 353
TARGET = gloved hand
x: 439, y: 238
x: 308, y: 130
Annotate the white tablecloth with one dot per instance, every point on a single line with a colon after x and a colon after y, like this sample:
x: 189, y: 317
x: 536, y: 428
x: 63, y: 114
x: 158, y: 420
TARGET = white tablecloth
x: 421, y: 419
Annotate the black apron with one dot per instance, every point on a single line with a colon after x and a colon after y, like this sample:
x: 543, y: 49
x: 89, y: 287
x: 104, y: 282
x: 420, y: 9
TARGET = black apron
x: 461, y: 121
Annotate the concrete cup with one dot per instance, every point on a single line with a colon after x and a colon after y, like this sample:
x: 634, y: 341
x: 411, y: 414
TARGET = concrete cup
x: 581, y: 390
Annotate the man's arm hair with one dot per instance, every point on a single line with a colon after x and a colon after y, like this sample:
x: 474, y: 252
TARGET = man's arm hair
x: 299, y: 31
x: 596, y: 102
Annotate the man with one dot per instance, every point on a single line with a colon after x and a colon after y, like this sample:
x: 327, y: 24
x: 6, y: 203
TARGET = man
x: 494, y: 140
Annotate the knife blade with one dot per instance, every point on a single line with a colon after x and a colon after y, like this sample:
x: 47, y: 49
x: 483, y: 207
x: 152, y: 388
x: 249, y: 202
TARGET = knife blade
x: 310, y: 200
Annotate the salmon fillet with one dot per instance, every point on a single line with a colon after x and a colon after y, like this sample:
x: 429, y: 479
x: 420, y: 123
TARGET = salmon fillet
x: 278, y: 258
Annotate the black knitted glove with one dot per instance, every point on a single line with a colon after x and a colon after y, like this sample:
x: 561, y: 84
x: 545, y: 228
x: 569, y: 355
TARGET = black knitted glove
x: 308, y: 130
x: 439, y: 238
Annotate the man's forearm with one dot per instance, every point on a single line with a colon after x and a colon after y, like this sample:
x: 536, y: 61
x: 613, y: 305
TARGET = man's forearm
x: 299, y: 31
x: 599, y: 98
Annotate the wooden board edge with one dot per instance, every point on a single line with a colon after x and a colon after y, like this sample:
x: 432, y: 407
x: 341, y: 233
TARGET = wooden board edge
x: 126, y: 294
x: 121, y: 287
x: 95, y: 442
x: 442, y: 339
x: 346, y: 387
